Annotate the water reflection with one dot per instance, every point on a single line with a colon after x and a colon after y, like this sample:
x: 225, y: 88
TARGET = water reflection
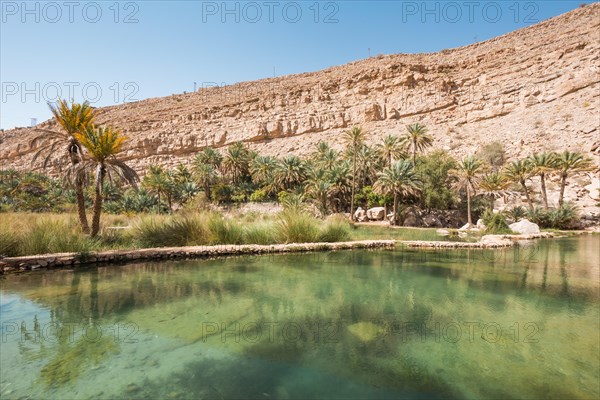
x: 356, y: 324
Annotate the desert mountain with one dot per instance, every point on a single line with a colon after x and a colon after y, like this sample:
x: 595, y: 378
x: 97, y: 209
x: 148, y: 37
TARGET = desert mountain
x: 533, y: 89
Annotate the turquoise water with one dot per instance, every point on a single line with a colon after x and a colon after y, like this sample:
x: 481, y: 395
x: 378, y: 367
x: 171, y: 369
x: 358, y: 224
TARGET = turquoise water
x: 515, y: 323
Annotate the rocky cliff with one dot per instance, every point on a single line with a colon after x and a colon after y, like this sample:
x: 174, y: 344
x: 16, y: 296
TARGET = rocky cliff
x: 533, y: 89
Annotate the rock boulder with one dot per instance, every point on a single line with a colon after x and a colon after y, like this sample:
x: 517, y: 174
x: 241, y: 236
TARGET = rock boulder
x: 524, y: 227
x: 376, y: 213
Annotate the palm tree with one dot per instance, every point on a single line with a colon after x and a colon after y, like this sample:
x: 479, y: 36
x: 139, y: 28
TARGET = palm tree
x: 210, y: 156
x: 354, y: 138
x: 542, y: 165
x: 391, y: 148
x: 338, y: 176
x: 205, y: 175
x: 102, y: 145
x: 237, y: 160
x: 494, y: 185
x: 182, y: 175
x: 400, y: 179
x: 518, y: 172
x: 156, y: 181
x: 369, y: 165
x: 262, y: 169
x: 319, y: 188
x: 571, y: 163
x: 467, y: 173
x: 290, y: 172
x: 418, y: 139
x: 73, y: 119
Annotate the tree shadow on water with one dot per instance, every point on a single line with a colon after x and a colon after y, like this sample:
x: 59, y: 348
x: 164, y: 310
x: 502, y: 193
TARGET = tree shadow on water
x: 246, y: 377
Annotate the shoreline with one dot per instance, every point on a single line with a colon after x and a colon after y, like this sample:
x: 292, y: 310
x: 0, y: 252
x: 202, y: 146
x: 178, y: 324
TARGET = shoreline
x: 12, y: 265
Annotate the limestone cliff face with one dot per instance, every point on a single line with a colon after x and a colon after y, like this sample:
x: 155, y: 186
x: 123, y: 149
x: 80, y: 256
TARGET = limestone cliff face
x: 533, y: 89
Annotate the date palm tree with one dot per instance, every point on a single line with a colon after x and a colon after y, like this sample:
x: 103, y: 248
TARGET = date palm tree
x: 354, y: 138
x: 468, y: 178
x: 262, y: 169
x: 519, y: 172
x: 210, y: 156
x: 205, y: 174
x: 72, y: 119
x: 103, y: 144
x: 236, y: 161
x: 319, y: 188
x: 418, y: 139
x: 391, y: 148
x: 400, y: 179
x: 494, y: 185
x: 156, y: 180
x: 290, y: 172
x: 543, y: 164
x: 338, y: 176
x: 570, y: 163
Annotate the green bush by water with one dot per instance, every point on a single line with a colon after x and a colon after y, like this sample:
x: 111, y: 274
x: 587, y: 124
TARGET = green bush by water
x: 495, y: 224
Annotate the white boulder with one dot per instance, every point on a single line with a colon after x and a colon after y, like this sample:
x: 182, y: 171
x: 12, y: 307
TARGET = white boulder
x: 468, y: 227
x: 524, y: 227
x: 376, y: 213
x: 360, y: 215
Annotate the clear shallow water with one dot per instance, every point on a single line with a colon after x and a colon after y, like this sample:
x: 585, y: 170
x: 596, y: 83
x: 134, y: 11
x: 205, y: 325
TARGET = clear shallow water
x: 517, y: 323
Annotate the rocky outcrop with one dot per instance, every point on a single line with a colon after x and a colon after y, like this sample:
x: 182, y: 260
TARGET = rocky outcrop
x: 533, y: 89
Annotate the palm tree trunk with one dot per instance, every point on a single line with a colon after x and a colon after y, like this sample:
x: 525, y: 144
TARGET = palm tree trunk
x: 414, y: 154
x: 563, y: 183
x: 469, y: 220
x: 74, y: 155
x: 85, y: 228
x: 527, y: 195
x: 544, y: 195
x: 395, y: 218
x: 158, y: 208
x: 97, y: 202
x: 353, y: 184
x: 492, y: 203
x: 207, y: 191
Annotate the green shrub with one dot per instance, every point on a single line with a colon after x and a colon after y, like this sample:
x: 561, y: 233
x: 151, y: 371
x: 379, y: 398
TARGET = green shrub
x: 336, y: 229
x: 221, y: 193
x: 563, y: 217
x: 295, y: 226
x: 434, y: 171
x: 555, y: 218
x: 487, y: 216
x: 493, y: 153
x: 282, y: 196
x: 496, y: 224
x: 259, y: 196
x: 516, y: 213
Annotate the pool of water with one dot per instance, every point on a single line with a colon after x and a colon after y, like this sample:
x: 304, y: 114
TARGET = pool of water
x: 514, y: 323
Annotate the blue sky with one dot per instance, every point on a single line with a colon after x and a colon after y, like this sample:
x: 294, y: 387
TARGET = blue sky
x: 109, y: 52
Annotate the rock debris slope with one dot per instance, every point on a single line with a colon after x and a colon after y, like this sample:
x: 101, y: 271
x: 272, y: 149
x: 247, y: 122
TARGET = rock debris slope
x: 533, y: 89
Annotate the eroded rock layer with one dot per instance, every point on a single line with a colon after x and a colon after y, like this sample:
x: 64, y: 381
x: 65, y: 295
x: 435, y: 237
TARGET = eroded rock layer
x: 533, y: 89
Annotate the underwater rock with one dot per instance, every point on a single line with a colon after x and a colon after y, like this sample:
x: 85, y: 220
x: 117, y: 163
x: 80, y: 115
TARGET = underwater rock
x: 365, y: 331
